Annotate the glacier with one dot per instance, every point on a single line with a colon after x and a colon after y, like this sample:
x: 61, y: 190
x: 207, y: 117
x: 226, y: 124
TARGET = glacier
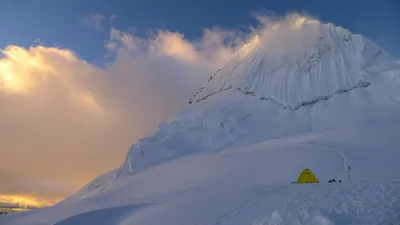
x: 300, y: 94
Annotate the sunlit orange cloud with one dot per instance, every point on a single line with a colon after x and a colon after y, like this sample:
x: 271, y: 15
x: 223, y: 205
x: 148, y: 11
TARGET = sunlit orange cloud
x: 21, y: 69
x: 173, y: 44
x: 67, y: 121
x: 26, y: 202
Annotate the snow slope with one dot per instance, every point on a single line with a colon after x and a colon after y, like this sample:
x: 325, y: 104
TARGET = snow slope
x: 251, y: 185
x: 299, y: 95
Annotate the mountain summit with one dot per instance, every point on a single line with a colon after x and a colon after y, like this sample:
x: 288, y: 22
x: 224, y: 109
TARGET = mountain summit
x: 297, y: 63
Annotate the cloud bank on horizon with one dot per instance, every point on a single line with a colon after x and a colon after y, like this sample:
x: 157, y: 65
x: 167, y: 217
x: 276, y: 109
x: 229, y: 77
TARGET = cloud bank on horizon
x: 65, y: 121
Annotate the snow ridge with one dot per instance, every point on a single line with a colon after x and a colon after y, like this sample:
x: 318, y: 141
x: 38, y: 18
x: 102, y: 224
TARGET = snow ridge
x: 360, y: 84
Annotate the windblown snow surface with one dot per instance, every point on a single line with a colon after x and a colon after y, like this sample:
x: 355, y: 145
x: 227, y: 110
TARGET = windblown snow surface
x: 325, y: 100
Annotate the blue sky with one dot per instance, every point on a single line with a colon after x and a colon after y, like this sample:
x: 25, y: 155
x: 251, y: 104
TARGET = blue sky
x: 59, y: 23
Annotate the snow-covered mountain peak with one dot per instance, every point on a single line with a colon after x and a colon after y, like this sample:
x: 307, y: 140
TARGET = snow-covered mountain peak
x: 296, y: 62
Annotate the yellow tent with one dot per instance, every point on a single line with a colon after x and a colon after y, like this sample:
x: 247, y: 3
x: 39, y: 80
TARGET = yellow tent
x: 307, y: 177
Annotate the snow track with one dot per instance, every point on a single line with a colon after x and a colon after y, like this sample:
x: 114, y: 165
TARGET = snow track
x: 342, y: 175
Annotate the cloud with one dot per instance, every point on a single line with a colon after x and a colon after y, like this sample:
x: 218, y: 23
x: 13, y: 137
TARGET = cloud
x: 23, y: 193
x: 112, y: 18
x: 97, y: 21
x: 64, y: 121
x: 19, y: 202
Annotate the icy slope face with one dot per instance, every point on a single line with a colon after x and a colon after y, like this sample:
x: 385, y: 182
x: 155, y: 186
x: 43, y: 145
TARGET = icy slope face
x: 297, y: 62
